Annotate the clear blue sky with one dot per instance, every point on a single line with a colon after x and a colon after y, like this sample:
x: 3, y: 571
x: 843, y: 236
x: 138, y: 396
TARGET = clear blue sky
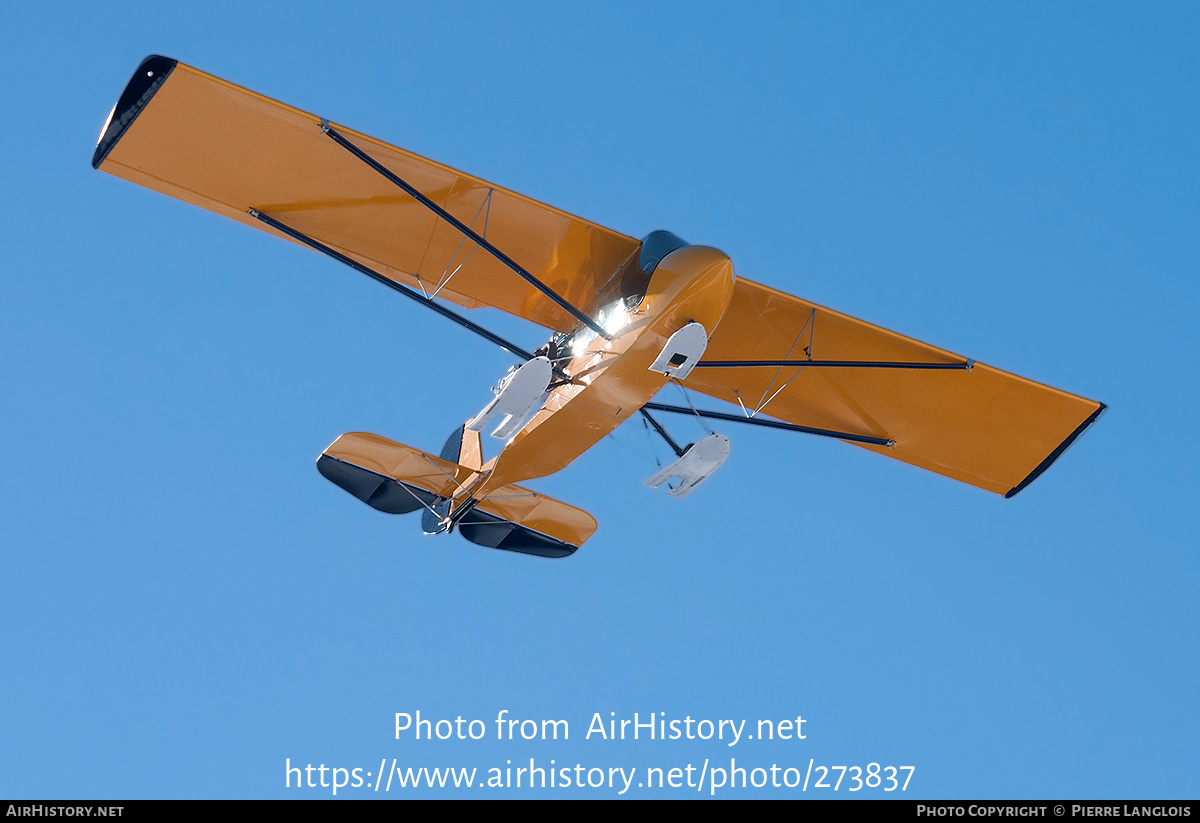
x: 187, y: 603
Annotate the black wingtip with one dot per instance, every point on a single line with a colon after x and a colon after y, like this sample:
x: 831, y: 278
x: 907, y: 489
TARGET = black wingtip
x: 1054, y: 455
x: 146, y: 81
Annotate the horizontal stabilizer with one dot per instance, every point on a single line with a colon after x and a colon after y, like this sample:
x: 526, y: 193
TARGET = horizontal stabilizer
x: 376, y: 490
x: 485, y: 529
x: 397, y: 479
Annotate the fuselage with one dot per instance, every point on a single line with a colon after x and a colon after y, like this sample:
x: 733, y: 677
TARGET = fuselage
x: 611, y: 379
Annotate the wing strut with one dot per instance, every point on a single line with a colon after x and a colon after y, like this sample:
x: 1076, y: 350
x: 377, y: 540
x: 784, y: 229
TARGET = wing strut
x: 773, y: 424
x: 465, y: 229
x: 663, y: 433
x: 832, y: 364
x: 392, y: 284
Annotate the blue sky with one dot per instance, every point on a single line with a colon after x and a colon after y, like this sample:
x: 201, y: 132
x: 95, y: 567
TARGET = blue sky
x: 188, y: 605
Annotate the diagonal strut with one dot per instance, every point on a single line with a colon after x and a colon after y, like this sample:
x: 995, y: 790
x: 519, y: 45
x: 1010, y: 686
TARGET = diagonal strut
x: 774, y: 424
x: 465, y: 229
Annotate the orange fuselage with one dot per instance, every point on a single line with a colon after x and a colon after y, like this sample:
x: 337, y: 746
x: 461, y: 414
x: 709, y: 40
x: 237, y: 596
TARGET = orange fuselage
x: 611, y: 379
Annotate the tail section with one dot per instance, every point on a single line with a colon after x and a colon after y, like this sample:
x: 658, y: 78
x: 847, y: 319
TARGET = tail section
x: 464, y: 448
x: 388, y: 476
x: 398, y: 479
x: 520, y: 520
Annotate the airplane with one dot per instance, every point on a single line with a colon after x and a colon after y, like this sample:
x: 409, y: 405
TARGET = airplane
x: 626, y: 318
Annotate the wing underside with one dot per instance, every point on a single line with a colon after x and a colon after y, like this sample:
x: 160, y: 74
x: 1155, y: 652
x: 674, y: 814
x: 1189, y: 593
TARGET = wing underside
x: 961, y: 419
x: 201, y: 139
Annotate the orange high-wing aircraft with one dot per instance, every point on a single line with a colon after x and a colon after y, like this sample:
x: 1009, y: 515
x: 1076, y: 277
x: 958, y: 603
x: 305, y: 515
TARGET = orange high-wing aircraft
x: 627, y: 316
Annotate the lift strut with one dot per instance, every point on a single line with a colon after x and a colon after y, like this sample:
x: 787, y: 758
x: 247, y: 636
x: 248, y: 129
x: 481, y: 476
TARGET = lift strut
x: 464, y: 228
x: 773, y: 424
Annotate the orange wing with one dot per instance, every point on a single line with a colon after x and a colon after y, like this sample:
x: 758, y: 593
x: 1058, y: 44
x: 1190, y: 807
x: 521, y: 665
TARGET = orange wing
x: 198, y: 138
x: 979, y: 425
